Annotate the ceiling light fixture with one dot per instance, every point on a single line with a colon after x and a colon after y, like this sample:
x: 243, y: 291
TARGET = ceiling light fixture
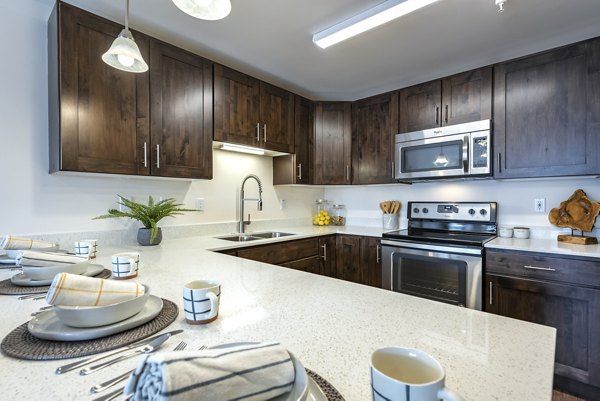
x: 500, y: 4
x: 124, y: 54
x: 205, y: 9
x: 371, y: 18
x: 242, y: 149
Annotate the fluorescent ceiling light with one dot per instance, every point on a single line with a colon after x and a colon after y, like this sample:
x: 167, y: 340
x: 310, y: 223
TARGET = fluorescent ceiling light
x: 241, y: 148
x: 371, y: 18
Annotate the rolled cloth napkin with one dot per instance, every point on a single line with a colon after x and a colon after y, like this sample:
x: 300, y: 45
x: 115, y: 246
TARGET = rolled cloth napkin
x: 10, y: 242
x: 47, y: 259
x: 249, y: 372
x: 75, y: 290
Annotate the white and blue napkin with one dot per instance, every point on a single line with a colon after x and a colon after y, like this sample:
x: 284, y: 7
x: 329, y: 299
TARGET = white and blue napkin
x: 249, y: 372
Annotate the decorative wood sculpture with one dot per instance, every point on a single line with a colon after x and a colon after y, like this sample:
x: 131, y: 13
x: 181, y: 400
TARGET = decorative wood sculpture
x: 577, y: 213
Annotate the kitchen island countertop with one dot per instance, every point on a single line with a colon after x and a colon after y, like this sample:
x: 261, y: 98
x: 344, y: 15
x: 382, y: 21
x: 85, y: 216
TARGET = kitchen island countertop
x: 332, y: 326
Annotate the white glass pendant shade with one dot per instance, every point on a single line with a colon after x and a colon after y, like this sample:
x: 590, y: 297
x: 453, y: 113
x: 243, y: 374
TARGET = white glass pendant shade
x: 205, y: 9
x: 124, y: 54
x: 441, y: 160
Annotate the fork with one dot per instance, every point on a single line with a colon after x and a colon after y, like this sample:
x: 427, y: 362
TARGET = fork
x: 109, y: 383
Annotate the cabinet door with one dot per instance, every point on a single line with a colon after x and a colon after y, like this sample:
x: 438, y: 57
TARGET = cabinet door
x: 282, y: 252
x: 327, y: 247
x: 104, y: 112
x: 420, y: 106
x: 333, y: 136
x: 572, y: 310
x: 181, y: 131
x: 347, y: 261
x: 467, y: 97
x: 370, y: 261
x: 298, y: 167
x: 547, y: 113
x: 236, y: 107
x: 277, y: 118
x: 374, y: 125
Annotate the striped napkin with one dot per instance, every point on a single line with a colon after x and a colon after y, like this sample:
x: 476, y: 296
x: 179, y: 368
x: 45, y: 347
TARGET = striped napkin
x: 75, y: 290
x: 47, y: 259
x: 249, y: 372
x: 10, y: 242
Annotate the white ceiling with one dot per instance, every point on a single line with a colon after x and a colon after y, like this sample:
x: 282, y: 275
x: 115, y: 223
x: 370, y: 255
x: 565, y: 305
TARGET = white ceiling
x: 272, y: 39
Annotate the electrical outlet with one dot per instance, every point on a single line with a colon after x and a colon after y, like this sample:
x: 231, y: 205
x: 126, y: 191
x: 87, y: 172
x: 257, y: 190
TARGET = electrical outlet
x: 282, y: 204
x: 539, y: 205
x: 200, y: 204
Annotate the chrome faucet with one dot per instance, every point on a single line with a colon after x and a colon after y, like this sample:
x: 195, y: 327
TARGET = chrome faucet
x: 242, y: 223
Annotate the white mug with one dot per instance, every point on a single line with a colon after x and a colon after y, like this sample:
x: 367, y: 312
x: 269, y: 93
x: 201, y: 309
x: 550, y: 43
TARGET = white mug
x: 86, y: 247
x: 125, y: 265
x: 403, y: 374
x: 201, y: 300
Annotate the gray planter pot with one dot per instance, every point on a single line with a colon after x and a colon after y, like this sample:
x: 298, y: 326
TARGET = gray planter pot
x: 143, y: 237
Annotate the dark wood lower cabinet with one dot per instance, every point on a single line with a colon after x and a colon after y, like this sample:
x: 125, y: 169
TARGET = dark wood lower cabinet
x: 358, y: 259
x: 574, y: 310
x: 328, y: 255
x: 370, y: 260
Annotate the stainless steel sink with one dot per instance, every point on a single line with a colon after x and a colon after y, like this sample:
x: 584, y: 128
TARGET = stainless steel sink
x: 272, y: 234
x: 239, y: 238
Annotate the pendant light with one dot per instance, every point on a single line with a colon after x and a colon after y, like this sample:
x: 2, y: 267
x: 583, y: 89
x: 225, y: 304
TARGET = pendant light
x: 205, y: 9
x: 124, y: 53
x: 441, y: 160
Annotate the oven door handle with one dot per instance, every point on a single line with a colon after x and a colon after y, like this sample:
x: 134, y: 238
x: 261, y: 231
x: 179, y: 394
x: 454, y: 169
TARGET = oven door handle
x: 432, y: 248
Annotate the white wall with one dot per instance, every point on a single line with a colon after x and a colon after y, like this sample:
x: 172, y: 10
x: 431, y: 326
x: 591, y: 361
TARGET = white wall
x: 32, y: 201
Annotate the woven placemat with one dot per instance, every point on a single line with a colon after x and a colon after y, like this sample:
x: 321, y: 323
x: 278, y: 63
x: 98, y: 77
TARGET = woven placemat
x: 8, y: 288
x: 330, y: 392
x: 20, y: 344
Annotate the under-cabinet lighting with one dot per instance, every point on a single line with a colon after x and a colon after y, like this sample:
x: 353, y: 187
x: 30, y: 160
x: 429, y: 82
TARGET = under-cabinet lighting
x: 241, y: 148
x: 371, y: 18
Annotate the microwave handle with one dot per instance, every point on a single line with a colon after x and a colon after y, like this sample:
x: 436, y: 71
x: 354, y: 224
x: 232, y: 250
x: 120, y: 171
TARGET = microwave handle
x: 465, y: 156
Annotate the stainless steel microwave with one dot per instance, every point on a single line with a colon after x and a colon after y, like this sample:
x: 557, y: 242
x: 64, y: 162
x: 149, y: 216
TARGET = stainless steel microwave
x: 453, y: 151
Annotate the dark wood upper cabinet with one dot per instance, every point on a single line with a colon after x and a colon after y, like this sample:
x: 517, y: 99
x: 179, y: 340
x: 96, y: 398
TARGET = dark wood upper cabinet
x: 457, y: 99
x: 374, y: 125
x: 297, y: 168
x: 547, y: 113
x: 99, y: 116
x: 250, y: 112
x: 104, y: 120
x: 332, y: 147
x: 181, y: 110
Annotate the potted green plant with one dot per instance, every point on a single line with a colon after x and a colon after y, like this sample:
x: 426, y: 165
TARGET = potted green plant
x: 149, y: 215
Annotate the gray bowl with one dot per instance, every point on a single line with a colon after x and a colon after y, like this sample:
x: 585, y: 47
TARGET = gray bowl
x: 95, y: 316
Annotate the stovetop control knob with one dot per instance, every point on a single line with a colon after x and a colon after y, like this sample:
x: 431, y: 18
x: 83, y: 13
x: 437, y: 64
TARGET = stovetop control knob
x: 416, y: 210
x: 471, y: 212
x: 425, y: 210
x: 483, y: 212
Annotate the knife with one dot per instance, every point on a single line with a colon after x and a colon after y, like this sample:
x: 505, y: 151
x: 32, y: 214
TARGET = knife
x: 78, y: 364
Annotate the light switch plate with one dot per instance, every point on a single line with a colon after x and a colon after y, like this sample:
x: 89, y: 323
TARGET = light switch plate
x: 200, y: 204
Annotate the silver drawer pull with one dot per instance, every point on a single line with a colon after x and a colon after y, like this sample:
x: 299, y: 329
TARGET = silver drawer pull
x: 324, y: 257
x: 550, y: 269
x: 491, y: 296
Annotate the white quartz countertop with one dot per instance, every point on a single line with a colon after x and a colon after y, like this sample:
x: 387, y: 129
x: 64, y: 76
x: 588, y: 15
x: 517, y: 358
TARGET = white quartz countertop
x: 545, y: 245
x: 332, y: 326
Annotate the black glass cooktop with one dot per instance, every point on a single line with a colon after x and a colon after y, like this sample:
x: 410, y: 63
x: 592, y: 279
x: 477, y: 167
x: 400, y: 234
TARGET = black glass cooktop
x: 440, y: 237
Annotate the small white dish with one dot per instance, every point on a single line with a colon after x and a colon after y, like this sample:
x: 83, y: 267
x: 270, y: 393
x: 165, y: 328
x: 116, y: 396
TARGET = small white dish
x: 521, y: 232
x: 48, y: 326
x: 95, y: 316
x: 23, y: 280
x: 505, y: 232
x: 48, y: 273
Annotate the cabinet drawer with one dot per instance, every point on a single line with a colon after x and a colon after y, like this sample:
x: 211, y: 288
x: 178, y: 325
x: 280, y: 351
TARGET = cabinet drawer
x: 544, y: 266
x: 282, y: 252
x: 310, y: 265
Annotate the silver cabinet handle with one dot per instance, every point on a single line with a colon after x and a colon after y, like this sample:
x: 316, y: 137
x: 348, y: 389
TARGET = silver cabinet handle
x: 347, y: 172
x: 300, y: 171
x: 378, y: 253
x: 548, y: 269
x: 437, y: 115
x: 491, y: 297
x: 265, y: 132
x: 446, y: 114
x: 257, y: 132
x: 393, y: 169
x: 324, y: 246
x: 157, y: 155
x: 145, y: 154
x: 499, y: 162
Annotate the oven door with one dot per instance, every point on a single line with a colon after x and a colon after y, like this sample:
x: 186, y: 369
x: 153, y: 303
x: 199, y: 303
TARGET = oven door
x: 446, y: 274
x: 433, y: 157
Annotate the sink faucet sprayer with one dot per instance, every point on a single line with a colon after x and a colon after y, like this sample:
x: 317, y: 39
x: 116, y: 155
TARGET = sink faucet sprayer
x: 242, y: 223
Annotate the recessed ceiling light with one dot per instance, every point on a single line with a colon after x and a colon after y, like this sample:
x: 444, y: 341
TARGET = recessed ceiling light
x: 369, y: 19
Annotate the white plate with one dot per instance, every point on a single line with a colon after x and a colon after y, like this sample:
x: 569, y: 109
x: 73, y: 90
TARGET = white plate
x: 48, y: 327
x: 47, y: 273
x: 299, y: 390
x: 23, y: 280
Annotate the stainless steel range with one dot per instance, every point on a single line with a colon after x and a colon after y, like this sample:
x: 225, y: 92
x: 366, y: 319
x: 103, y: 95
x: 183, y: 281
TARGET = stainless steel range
x: 440, y: 255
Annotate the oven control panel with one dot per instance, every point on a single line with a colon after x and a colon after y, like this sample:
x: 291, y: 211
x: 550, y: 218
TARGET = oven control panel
x: 458, y: 211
